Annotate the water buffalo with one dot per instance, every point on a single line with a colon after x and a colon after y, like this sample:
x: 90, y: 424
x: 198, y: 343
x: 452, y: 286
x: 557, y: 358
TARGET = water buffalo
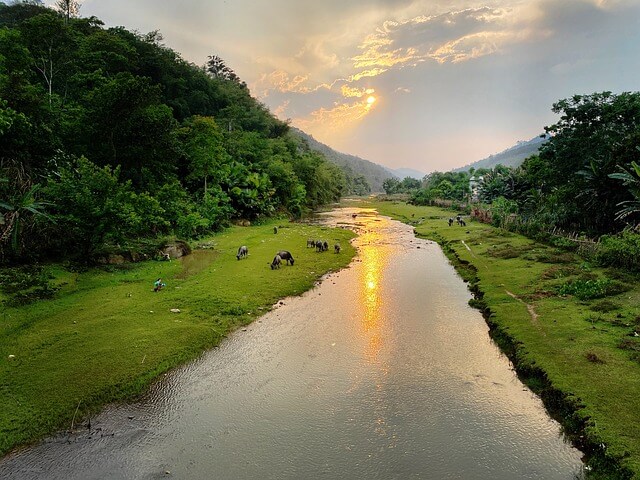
x: 275, y: 229
x: 336, y: 248
x: 318, y: 245
x: 286, y: 256
x: 450, y: 221
x: 277, y: 260
x: 243, y: 251
x: 311, y: 243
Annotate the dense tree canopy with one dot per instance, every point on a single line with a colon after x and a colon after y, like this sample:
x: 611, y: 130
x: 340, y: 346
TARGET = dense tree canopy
x: 107, y: 135
x: 585, y: 177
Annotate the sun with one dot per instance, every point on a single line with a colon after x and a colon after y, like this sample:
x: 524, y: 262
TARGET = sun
x: 371, y: 100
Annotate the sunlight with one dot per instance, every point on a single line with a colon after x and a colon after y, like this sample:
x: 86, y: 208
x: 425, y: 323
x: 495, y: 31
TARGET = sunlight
x: 372, y: 321
x: 371, y: 99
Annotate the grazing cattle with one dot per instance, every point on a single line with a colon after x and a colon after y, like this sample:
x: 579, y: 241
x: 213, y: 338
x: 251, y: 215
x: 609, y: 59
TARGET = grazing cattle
x: 450, y: 221
x: 277, y: 260
x: 243, y: 251
x: 318, y: 245
x: 336, y: 248
x: 325, y: 246
x: 354, y: 215
x: 311, y: 243
x: 462, y: 223
x: 286, y: 256
x: 275, y: 230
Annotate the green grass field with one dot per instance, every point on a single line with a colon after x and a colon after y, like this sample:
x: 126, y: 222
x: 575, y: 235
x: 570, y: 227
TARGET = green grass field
x: 106, y: 335
x: 587, y: 349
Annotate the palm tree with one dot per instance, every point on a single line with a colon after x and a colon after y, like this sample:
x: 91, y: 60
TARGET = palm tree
x: 631, y: 179
x: 17, y: 213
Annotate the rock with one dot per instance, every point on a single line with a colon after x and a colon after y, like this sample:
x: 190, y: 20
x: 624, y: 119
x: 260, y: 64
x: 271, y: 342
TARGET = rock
x: 174, y: 310
x: 176, y: 249
x: 12, y: 356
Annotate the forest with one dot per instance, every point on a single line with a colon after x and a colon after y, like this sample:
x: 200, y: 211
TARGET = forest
x: 584, y: 183
x: 109, y: 139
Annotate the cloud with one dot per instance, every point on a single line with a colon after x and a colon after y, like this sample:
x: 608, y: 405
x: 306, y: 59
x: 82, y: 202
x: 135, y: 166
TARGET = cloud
x: 440, y: 67
x: 280, y: 110
x: 449, y: 37
x: 280, y: 81
x: 348, y: 91
x: 327, y: 121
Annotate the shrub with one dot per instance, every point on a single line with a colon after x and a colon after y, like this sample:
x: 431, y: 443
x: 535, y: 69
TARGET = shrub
x: 590, y: 289
x: 24, y: 285
x: 622, y: 250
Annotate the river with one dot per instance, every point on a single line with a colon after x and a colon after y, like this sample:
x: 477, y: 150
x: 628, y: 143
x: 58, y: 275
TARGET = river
x: 382, y: 371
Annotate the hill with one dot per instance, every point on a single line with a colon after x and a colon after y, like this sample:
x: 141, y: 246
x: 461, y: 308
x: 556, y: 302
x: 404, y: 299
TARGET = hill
x: 373, y: 173
x: 511, y: 157
x: 407, y: 172
x: 128, y: 141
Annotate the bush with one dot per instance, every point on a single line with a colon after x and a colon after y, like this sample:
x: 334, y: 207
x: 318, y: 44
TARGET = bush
x: 622, y: 250
x: 590, y: 289
x: 24, y: 285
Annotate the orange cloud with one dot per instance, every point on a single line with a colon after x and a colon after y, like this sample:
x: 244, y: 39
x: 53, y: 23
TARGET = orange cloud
x: 280, y: 81
x: 323, y: 121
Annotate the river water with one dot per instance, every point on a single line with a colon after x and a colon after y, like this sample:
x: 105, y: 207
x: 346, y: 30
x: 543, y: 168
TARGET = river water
x: 382, y: 371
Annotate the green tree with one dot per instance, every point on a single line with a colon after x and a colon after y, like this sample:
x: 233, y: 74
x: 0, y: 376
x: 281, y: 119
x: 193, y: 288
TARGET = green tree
x: 93, y: 208
x: 630, y: 179
x: 50, y: 43
x: 68, y: 8
x: 391, y: 185
x: 590, y: 141
x: 203, y: 145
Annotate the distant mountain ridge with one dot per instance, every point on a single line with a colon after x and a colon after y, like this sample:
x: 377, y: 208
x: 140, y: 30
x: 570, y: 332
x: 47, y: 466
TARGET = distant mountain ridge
x: 407, y: 172
x: 374, y: 174
x: 511, y: 157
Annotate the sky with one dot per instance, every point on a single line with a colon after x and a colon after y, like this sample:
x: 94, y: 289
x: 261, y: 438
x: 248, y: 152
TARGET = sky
x: 425, y: 84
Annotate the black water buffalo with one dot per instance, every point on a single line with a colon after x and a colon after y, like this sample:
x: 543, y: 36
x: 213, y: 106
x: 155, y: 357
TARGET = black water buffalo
x: 322, y: 246
x: 311, y: 243
x: 275, y: 229
x: 243, y: 251
x: 450, y: 221
x: 277, y: 260
x: 336, y: 248
x: 286, y: 256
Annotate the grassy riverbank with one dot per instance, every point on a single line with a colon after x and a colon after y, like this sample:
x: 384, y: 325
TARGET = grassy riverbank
x: 570, y: 328
x: 106, y: 335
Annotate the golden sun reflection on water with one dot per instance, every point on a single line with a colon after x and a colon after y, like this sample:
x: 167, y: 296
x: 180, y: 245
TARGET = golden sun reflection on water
x: 373, y: 262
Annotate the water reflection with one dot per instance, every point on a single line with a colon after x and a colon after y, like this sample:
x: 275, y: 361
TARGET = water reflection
x: 382, y: 372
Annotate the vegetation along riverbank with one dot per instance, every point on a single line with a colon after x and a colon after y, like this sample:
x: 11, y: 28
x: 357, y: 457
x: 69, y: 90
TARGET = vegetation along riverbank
x: 570, y: 328
x: 105, y: 334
